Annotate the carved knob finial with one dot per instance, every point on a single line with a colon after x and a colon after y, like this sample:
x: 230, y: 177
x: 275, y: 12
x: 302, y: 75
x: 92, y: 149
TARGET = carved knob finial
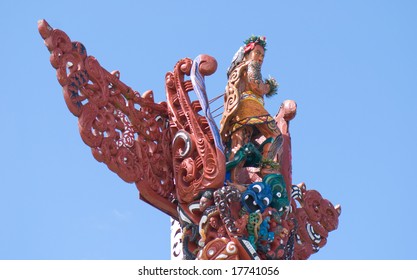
x: 208, y: 65
x: 290, y: 109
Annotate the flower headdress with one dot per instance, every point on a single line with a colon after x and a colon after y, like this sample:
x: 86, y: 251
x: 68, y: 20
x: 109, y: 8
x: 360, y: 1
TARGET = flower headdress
x: 253, y: 41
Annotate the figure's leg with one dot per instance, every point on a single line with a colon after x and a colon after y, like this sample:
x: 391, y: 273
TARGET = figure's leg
x: 238, y: 139
x: 269, y: 130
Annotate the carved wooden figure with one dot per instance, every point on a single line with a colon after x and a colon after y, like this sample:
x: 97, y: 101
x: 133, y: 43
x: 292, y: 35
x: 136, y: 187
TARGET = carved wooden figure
x: 231, y: 189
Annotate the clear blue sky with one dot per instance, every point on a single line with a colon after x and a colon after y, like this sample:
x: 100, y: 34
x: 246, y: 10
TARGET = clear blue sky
x: 351, y: 66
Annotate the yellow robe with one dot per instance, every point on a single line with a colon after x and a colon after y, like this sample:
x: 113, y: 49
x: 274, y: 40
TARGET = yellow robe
x: 251, y: 111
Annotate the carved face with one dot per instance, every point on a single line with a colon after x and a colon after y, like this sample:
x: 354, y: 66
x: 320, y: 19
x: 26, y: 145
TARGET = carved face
x: 257, y: 197
x: 214, y: 222
x: 280, y: 199
x: 257, y: 54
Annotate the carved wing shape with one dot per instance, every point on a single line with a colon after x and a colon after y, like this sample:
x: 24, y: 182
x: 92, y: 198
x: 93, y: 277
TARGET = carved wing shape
x: 127, y: 131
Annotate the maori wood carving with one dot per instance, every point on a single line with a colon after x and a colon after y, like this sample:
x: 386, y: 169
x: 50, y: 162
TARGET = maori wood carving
x: 127, y: 131
x: 196, y: 158
x: 230, y: 189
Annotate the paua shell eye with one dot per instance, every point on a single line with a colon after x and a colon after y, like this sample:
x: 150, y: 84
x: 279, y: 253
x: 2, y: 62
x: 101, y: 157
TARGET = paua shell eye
x: 257, y: 188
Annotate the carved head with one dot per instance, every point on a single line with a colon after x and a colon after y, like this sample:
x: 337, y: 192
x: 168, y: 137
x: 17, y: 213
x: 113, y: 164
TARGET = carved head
x: 214, y: 222
x: 243, y: 53
x: 280, y: 200
x: 256, y: 55
x: 255, y: 49
x: 206, y: 200
x: 257, y: 197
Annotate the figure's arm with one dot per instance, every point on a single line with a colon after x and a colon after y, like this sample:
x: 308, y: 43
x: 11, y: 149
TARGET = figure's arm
x: 256, y: 84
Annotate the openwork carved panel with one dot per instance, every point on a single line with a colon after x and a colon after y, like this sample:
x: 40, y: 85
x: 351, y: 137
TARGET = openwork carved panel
x: 127, y: 131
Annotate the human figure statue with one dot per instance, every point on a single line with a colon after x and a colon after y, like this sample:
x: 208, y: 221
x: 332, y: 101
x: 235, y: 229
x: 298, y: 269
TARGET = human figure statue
x: 245, y: 117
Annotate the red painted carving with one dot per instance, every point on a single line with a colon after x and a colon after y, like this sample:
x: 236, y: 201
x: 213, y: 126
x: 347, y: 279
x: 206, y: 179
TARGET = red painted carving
x: 230, y: 189
x: 316, y: 218
x: 127, y: 131
x: 219, y: 249
x: 197, y: 162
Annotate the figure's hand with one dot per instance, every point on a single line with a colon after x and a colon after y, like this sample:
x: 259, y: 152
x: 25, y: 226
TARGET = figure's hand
x: 273, y: 86
x: 272, y: 80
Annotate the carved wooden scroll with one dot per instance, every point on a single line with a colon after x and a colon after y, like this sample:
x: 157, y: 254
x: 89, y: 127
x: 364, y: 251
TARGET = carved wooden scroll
x: 198, y: 157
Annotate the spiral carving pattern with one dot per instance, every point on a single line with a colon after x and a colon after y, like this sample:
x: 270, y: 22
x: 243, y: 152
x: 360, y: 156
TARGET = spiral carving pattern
x: 198, y: 167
